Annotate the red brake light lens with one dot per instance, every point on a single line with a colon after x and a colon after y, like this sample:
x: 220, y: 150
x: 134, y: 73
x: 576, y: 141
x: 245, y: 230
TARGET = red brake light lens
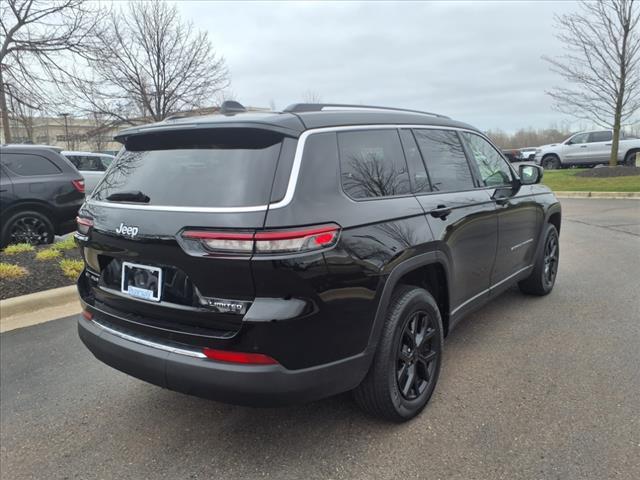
x: 238, y: 357
x: 78, y: 185
x: 302, y: 240
x: 84, y: 225
x: 265, y: 242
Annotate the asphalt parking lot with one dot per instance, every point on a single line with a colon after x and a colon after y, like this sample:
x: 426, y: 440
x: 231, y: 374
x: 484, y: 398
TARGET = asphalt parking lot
x: 531, y: 388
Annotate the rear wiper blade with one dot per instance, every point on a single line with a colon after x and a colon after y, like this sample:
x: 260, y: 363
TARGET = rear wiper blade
x: 135, y: 196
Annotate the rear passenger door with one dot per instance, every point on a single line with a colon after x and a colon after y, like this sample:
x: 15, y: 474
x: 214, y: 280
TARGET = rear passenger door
x: 600, y: 146
x: 462, y: 216
x: 6, y: 189
x: 519, y: 215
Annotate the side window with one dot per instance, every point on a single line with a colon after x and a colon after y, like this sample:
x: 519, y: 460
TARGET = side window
x: 89, y: 164
x: 74, y: 160
x: 106, y: 161
x: 445, y: 159
x: 372, y: 164
x: 417, y: 172
x: 492, y: 167
x: 603, y: 136
x: 580, y: 138
x: 28, y: 165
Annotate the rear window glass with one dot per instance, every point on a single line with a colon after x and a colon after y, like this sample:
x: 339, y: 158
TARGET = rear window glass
x: 28, y: 165
x: 208, y: 168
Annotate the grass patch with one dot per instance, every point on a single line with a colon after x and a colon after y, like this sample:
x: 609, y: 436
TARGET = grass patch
x: 566, y: 181
x: 11, y: 271
x: 18, y: 248
x: 71, y: 268
x: 48, y: 254
x: 68, y: 243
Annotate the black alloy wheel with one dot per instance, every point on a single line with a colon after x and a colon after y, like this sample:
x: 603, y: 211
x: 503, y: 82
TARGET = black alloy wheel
x: 550, y: 259
x: 416, y: 355
x: 405, y: 368
x: 32, y: 229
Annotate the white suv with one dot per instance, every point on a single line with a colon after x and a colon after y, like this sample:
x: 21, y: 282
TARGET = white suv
x: 587, y: 149
x: 90, y: 165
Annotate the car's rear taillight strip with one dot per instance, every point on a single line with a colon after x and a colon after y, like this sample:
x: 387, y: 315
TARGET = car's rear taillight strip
x: 84, y: 224
x: 78, y: 185
x: 271, y: 241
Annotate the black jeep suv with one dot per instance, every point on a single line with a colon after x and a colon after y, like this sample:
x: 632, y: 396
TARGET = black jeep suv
x: 271, y: 258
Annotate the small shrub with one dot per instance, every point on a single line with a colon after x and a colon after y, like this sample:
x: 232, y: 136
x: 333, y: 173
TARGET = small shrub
x: 48, y: 254
x: 11, y: 271
x: 18, y: 248
x: 68, y: 243
x: 71, y: 268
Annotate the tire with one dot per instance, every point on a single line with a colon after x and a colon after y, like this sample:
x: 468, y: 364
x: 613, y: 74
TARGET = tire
x: 410, y: 348
x: 551, y: 162
x: 27, y: 227
x: 630, y: 159
x: 545, y: 270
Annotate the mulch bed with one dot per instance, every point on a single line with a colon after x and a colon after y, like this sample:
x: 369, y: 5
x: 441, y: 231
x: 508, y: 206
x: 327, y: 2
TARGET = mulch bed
x: 607, y: 172
x: 42, y: 274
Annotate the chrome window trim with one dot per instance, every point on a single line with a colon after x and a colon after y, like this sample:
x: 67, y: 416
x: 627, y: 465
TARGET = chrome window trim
x: 293, y: 177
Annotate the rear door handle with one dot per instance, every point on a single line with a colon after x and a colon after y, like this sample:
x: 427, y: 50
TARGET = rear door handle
x: 441, y: 211
x: 607, y: 144
x: 583, y: 146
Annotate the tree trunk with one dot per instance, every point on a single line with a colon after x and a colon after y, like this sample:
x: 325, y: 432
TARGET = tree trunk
x: 615, y: 144
x: 5, y: 113
x: 613, y: 160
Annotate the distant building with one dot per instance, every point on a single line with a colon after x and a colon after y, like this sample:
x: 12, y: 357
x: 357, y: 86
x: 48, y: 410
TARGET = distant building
x: 77, y: 133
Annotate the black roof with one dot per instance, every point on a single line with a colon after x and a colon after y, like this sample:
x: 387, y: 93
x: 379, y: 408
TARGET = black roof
x: 294, y: 122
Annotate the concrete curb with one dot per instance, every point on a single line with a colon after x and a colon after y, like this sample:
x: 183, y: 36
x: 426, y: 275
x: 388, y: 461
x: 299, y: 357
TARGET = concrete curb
x: 33, y: 302
x: 605, y: 195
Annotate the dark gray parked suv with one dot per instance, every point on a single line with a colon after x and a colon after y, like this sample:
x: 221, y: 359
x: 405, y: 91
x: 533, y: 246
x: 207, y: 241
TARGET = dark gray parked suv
x: 40, y: 194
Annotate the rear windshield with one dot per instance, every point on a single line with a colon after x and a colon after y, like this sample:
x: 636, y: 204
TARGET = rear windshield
x: 206, y: 168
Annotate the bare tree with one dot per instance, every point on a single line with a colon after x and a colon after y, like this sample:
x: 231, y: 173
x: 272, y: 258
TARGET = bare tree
x: 602, y: 62
x: 311, y: 96
x: 24, y: 115
x: 37, y: 37
x: 153, y: 64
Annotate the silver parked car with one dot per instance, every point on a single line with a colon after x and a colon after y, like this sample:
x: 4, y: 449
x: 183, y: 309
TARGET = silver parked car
x: 90, y: 165
x: 587, y: 149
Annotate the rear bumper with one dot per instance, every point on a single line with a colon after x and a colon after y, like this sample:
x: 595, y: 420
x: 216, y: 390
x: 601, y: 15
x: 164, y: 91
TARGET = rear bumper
x: 252, y: 385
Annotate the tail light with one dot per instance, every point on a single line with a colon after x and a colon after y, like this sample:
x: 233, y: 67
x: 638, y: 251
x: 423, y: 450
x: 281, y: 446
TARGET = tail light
x: 78, y: 185
x: 84, y: 225
x: 266, y: 242
x: 239, y: 357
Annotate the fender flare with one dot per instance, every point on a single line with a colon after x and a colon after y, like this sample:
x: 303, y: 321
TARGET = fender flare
x: 553, y: 208
x: 391, y: 281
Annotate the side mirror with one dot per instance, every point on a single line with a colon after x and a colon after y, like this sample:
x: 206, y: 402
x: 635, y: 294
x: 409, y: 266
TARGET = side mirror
x: 530, y: 174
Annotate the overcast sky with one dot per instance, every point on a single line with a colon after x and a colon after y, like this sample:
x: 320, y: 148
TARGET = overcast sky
x: 479, y: 62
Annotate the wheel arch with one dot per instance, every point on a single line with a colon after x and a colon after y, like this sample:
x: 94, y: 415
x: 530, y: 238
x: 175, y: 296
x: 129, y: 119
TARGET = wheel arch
x: 629, y: 152
x: 427, y: 270
x: 30, y: 205
x: 551, y: 154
